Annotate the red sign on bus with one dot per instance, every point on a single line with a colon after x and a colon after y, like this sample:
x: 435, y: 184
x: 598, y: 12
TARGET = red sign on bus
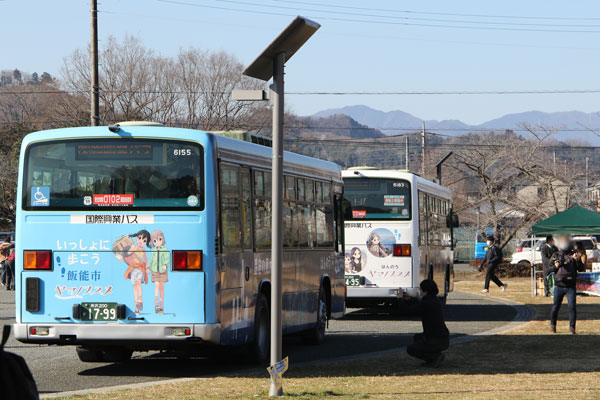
x: 113, y: 199
x: 359, y: 213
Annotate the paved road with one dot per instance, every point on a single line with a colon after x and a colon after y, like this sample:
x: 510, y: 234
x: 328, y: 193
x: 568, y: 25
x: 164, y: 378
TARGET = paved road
x: 58, y: 369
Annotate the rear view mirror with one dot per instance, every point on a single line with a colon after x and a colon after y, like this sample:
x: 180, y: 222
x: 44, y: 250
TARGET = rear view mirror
x: 452, y: 220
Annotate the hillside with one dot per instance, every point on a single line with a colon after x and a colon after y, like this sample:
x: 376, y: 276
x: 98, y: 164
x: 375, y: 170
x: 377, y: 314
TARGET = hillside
x: 397, y: 121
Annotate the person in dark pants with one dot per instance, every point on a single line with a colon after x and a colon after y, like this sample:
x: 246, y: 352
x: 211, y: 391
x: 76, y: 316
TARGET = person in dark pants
x: 566, y: 264
x: 9, y: 264
x: 430, y: 344
x: 548, y: 249
x: 493, y: 257
x: 4, y: 252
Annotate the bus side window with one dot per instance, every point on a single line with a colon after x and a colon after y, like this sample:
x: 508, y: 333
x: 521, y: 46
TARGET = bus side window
x: 262, y: 210
x: 338, y: 201
x: 246, y: 209
x: 230, y: 207
x: 423, y: 216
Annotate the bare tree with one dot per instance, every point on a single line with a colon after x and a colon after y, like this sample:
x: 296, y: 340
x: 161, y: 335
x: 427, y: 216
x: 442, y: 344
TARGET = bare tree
x: 193, y: 90
x: 510, y: 180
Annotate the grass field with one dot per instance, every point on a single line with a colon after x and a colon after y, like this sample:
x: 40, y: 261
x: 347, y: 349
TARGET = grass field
x: 526, y: 362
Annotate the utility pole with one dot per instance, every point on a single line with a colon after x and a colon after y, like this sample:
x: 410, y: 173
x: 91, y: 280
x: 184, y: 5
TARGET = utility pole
x: 554, y: 161
x: 586, y: 172
x: 423, y: 148
x: 95, y: 97
x: 406, y: 153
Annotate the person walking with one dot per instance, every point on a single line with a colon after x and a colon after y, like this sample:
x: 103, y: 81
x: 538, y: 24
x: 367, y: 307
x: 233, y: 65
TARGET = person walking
x: 566, y: 264
x: 548, y: 249
x: 492, y: 259
x: 430, y: 344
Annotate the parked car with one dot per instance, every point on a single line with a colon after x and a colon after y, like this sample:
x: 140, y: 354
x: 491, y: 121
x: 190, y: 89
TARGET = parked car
x: 533, y: 256
x: 527, y: 244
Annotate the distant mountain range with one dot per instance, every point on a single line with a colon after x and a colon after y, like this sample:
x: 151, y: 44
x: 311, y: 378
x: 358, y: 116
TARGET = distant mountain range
x: 393, y: 122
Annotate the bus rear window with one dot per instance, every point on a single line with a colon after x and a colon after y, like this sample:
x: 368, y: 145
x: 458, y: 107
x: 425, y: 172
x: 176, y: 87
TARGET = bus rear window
x: 107, y: 173
x: 376, y: 198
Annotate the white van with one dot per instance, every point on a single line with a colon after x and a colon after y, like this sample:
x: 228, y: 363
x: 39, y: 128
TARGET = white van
x: 533, y: 256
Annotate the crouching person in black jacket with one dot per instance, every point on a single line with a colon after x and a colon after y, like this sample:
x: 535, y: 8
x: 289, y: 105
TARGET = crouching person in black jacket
x: 430, y: 344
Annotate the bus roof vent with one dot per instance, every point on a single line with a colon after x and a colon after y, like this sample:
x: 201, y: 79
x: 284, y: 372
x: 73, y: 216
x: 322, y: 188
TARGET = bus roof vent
x: 139, y: 123
x: 246, y: 136
x: 361, y: 168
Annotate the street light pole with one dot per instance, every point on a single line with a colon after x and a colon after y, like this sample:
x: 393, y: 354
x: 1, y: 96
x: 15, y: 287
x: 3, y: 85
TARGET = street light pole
x: 270, y: 64
x: 277, y: 98
x: 95, y: 97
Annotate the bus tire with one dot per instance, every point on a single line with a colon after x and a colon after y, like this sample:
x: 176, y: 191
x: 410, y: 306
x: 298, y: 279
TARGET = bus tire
x: 261, y: 348
x: 117, y: 355
x: 89, y: 354
x: 316, y: 335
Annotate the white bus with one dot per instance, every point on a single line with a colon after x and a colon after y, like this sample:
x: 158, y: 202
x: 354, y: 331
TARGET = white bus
x: 397, y: 233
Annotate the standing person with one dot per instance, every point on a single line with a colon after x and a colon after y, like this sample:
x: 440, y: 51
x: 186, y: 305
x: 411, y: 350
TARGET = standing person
x: 580, y: 249
x: 4, y: 251
x: 9, y: 264
x: 548, y: 249
x: 430, y: 344
x: 492, y: 259
x: 566, y: 265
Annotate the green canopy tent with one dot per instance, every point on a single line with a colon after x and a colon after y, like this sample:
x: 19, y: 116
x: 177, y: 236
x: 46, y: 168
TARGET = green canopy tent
x: 576, y: 220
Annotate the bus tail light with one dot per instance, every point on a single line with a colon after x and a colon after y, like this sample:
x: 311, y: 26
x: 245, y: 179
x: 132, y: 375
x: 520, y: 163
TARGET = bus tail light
x: 181, y: 331
x: 39, y: 331
x: 187, y: 260
x: 402, y: 250
x: 37, y: 259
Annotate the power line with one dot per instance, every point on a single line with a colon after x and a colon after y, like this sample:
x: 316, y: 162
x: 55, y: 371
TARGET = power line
x: 247, y: 3
x: 449, y: 92
x: 376, y: 21
x: 452, y: 146
x: 330, y: 93
x: 354, y: 34
x: 411, y: 131
x: 442, y: 13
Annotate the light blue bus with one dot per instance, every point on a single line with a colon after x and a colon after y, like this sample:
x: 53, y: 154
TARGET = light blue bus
x: 143, y: 237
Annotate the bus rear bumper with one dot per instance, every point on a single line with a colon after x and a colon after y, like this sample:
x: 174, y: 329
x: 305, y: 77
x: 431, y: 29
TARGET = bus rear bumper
x: 365, y: 296
x: 113, y: 333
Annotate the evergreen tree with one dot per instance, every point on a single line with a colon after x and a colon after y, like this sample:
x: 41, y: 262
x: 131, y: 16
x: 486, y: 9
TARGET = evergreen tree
x: 17, y: 76
x: 46, y: 77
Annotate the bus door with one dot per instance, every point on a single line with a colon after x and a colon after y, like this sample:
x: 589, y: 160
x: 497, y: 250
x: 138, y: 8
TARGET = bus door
x: 236, y: 259
x: 248, y: 284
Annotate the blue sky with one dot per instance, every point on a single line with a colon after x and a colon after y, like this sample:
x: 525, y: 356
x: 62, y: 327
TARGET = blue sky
x: 350, y: 55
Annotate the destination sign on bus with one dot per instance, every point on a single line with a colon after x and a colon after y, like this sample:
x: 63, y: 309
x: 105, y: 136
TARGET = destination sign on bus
x: 113, y: 199
x: 393, y: 200
x: 113, y: 151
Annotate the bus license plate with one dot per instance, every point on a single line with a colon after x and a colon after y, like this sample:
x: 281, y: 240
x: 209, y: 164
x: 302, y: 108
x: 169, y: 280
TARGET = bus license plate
x: 352, y: 280
x: 98, y: 311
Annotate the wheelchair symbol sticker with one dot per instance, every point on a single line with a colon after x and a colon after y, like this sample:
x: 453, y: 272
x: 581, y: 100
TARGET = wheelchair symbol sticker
x: 40, y: 196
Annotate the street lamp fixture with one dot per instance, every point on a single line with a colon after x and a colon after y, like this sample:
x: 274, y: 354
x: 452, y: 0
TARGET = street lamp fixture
x: 270, y: 64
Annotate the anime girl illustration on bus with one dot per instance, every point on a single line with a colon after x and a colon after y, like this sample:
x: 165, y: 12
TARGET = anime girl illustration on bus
x: 348, y: 264
x: 356, y: 260
x: 376, y: 247
x: 158, y: 266
x: 134, y: 255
